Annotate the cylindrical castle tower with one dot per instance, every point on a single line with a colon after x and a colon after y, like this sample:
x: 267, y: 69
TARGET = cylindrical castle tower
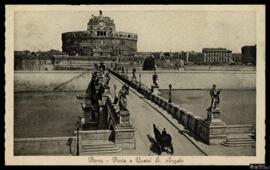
x: 100, y: 39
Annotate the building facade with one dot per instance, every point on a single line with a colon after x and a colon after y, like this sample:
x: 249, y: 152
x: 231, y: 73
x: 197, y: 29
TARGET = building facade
x: 27, y: 60
x: 216, y: 55
x: 194, y: 57
x: 100, y: 39
x: 237, y: 57
x: 249, y: 54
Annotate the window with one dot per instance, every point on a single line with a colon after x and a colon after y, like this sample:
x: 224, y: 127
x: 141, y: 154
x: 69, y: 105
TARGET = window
x: 101, y: 33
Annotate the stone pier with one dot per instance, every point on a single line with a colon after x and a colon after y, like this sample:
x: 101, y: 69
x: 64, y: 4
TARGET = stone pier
x: 213, y: 128
x: 125, y: 132
x: 155, y: 90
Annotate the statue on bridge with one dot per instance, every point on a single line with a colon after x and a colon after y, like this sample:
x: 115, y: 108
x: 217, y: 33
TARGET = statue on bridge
x: 107, y: 80
x: 134, y: 75
x: 95, y: 67
x: 101, y: 67
x: 90, y: 91
x: 122, y: 95
x: 134, y: 72
x: 155, y: 78
x: 214, y: 93
x: 92, y: 94
x: 100, y: 90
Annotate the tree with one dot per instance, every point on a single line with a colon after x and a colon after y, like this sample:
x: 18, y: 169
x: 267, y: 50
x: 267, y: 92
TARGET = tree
x: 166, y: 54
x: 149, y: 63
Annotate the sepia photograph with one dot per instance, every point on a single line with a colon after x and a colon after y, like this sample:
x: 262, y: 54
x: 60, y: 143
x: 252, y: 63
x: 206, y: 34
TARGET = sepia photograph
x: 135, y: 85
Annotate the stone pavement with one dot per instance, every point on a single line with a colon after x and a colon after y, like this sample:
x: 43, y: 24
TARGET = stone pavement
x: 144, y: 113
x: 143, y: 117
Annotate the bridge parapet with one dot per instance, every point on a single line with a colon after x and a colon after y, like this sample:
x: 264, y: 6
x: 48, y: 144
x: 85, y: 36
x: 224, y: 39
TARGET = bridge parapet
x: 113, y: 113
x: 119, y: 122
x: 103, y: 120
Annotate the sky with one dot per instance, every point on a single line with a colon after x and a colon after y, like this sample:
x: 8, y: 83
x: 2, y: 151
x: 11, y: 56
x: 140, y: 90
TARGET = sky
x: 158, y: 31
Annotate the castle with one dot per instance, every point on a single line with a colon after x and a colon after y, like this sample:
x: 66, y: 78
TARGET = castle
x: 100, y: 39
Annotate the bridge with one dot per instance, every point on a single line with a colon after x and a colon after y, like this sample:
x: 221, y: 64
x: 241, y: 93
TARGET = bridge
x: 190, y: 134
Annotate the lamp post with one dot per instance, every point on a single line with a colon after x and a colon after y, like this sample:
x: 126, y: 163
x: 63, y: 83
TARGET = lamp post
x: 115, y: 90
x: 126, y: 73
x: 140, y: 81
x: 79, y: 124
x: 170, y: 93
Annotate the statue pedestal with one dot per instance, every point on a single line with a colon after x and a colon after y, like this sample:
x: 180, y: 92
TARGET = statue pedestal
x: 90, y: 125
x: 124, y: 119
x: 125, y: 132
x: 102, y: 102
x: 213, y: 129
x: 100, y: 79
x: 90, y: 117
x: 106, y: 90
x: 134, y: 79
x: 155, y: 90
x: 213, y: 116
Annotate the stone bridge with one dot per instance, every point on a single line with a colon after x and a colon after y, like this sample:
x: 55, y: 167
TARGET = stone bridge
x: 191, y: 135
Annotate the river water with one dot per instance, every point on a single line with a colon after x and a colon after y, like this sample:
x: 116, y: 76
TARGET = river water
x: 237, y: 106
x: 45, y: 114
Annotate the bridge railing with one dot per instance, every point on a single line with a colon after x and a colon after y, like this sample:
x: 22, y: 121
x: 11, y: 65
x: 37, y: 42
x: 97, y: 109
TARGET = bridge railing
x: 195, y: 124
x: 119, y: 121
x: 112, y: 112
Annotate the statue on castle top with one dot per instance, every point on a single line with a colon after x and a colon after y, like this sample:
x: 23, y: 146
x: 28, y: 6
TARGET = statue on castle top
x: 215, y: 100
